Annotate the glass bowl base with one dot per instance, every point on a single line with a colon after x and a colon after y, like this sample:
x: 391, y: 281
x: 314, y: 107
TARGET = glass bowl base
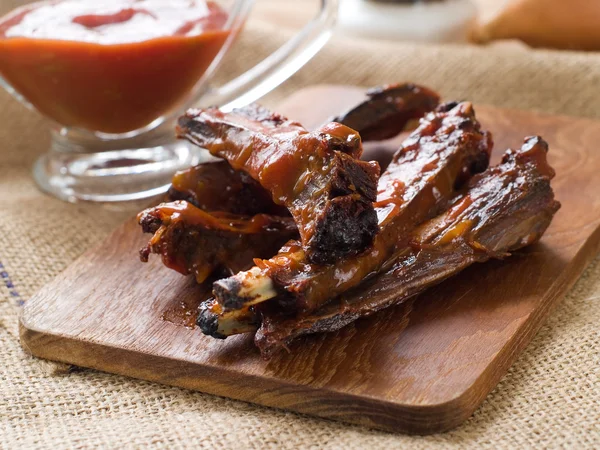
x: 116, y: 175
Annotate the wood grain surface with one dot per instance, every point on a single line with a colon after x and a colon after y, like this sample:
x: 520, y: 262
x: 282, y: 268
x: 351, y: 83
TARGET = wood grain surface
x: 421, y: 367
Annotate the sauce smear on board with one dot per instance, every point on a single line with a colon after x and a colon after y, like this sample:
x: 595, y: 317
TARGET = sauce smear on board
x: 111, y: 65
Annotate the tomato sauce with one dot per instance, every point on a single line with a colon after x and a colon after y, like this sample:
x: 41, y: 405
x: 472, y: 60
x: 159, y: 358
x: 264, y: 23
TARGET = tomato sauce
x: 111, y: 66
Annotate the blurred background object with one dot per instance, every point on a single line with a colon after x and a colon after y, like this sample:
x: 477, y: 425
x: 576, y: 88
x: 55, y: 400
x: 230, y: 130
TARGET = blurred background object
x: 423, y: 21
x: 558, y: 24
x: 561, y: 24
x: 112, y: 77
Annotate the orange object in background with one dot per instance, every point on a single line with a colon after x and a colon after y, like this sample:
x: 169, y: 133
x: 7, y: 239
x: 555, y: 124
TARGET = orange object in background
x: 111, y: 66
x: 562, y: 24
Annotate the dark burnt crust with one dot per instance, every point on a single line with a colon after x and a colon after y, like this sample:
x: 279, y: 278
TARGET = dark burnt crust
x: 149, y: 222
x: 208, y: 322
x: 223, y: 289
x: 347, y: 222
x: 347, y: 227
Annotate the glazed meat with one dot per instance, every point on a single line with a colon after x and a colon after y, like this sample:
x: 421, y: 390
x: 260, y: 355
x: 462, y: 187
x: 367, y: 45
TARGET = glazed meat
x: 316, y: 175
x: 218, y: 219
x: 216, y: 186
x: 504, y: 209
x: 441, y: 155
x: 193, y: 241
x: 346, y: 242
x: 388, y: 109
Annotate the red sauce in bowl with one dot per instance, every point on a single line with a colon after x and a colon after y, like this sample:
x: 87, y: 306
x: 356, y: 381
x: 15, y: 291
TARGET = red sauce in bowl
x: 111, y: 65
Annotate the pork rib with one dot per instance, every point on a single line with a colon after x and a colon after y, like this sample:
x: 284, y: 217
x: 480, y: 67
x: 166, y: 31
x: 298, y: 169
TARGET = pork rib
x: 216, y: 186
x: 446, y: 149
x: 316, y: 175
x: 388, y: 109
x: 504, y: 209
x: 193, y: 241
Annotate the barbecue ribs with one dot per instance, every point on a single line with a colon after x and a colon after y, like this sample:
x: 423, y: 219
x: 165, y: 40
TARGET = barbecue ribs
x: 504, y: 209
x: 388, y: 109
x: 217, y: 187
x: 316, y: 175
x: 193, y: 241
x: 345, y: 245
x: 445, y: 150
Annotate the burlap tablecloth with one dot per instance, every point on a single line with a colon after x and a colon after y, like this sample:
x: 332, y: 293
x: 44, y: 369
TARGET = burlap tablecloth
x: 549, y: 398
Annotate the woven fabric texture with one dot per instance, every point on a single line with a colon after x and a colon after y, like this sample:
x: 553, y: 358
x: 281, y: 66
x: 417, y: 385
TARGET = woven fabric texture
x: 549, y: 399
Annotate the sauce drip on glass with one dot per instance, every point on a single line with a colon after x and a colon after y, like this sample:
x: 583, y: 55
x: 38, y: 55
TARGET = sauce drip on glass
x: 111, y: 66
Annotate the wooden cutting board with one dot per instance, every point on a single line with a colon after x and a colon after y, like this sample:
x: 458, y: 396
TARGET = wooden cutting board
x: 421, y: 367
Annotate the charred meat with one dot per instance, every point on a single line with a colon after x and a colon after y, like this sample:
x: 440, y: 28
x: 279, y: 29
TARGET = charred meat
x: 504, y: 209
x: 445, y: 150
x: 193, y: 241
x: 388, y: 109
x: 220, y: 190
x: 316, y: 175
x: 346, y: 242
x: 216, y: 186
